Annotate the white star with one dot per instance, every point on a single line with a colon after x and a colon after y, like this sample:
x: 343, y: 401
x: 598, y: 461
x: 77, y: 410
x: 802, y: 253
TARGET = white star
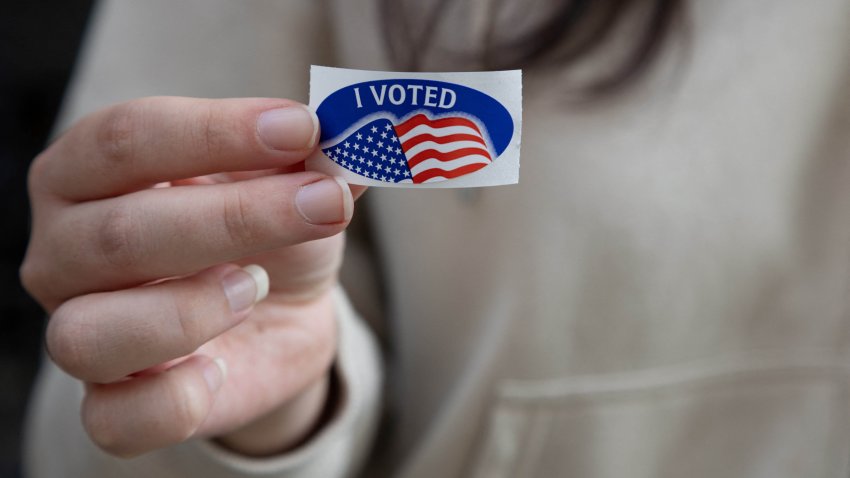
x: 359, y: 136
x: 336, y: 151
x: 388, y: 126
x: 375, y: 175
x: 358, y: 169
x: 369, y: 163
x: 383, y: 178
x: 374, y: 129
x: 360, y: 158
x: 346, y: 144
x: 345, y: 163
x: 365, y: 149
x: 356, y: 146
x: 380, y: 144
x: 380, y: 168
x: 374, y: 152
x: 396, y: 172
x: 395, y: 140
x: 345, y: 153
x: 406, y: 173
x: 398, y: 151
x: 369, y: 139
x: 384, y: 135
x: 383, y: 157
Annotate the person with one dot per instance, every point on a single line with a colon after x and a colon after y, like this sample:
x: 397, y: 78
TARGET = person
x: 663, y: 294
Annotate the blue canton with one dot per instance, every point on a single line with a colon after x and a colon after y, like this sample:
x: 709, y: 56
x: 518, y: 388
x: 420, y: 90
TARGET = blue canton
x: 373, y: 151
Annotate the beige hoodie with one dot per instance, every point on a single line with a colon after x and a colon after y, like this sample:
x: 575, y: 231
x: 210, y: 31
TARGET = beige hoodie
x: 664, y: 294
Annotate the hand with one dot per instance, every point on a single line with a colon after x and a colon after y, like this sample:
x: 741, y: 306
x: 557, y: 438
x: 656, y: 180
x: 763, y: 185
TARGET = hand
x: 143, y: 214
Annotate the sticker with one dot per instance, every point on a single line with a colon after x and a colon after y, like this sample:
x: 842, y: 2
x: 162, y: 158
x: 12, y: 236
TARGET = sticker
x: 419, y: 130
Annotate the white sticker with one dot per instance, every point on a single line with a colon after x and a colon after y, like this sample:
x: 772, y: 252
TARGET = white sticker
x: 418, y: 130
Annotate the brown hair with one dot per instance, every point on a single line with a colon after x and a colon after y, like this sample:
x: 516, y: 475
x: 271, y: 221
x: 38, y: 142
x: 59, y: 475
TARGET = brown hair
x: 570, y: 31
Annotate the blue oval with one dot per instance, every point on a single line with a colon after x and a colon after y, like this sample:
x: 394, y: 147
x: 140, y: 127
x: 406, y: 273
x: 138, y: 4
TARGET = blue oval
x: 340, y: 109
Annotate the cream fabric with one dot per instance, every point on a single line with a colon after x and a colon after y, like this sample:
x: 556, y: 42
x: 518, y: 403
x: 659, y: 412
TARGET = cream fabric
x: 664, y: 294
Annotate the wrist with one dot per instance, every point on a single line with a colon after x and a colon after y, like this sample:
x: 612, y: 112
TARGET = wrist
x: 285, y: 427
x: 296, y: 419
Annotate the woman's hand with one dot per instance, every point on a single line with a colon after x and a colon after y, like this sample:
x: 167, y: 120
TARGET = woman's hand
x: 143, y: 214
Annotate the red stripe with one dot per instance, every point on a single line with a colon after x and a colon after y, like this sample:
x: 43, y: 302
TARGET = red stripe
x: 421, y: 138
x: 437, y: 172
x: 451, y: 155
x: 420, y: 119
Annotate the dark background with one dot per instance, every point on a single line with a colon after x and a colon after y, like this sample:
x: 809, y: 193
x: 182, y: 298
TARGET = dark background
x: 38, y: 44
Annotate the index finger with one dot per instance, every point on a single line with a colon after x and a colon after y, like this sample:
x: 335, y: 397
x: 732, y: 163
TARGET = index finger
x: 134, y: 145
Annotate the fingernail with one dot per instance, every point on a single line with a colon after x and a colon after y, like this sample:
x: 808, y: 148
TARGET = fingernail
x: 327, y: 201
x: 261, y: 279
x: 245, y: 287
x: 214, y: 374
x: 291, y: 128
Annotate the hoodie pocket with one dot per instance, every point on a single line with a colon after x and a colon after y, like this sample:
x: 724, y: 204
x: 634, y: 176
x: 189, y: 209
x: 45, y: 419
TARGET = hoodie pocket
x: 762, y: 416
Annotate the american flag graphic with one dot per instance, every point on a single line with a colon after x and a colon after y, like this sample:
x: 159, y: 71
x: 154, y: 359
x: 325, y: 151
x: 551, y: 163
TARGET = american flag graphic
x: 418, y: 149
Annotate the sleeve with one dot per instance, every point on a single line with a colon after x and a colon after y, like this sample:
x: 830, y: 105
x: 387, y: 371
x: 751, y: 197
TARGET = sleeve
x: 206, y: 48
x: 200, y: 48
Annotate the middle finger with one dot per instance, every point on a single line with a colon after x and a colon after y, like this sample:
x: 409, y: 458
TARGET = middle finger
x: 158, y: 233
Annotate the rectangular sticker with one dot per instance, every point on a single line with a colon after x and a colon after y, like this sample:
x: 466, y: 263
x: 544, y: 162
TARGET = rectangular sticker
x: 418, y: 130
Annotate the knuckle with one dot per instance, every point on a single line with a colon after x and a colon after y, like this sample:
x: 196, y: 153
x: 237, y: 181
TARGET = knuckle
x: 116, y: 136
x: 30, y: 276
x: 65, y: 341
x: 190, y: 332
x: 37, y: 280
x: 212, y: 131
x: 36, y: 172
x: 239, y: 223
x: 317, y: 276
x: 119, y: 237
x: 103, y: 432
x: 189, y: 408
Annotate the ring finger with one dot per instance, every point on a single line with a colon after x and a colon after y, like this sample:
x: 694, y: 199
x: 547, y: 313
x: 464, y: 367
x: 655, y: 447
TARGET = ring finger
x: 104, y: 337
